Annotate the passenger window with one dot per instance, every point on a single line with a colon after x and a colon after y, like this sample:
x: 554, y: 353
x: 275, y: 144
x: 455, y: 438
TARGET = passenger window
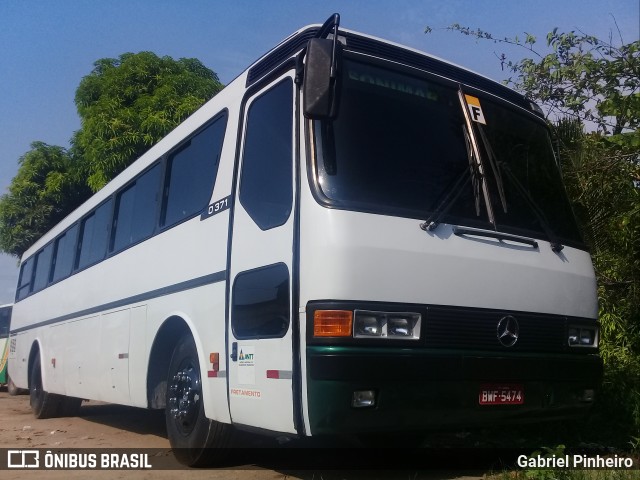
x: 266, y: 190
x: 24, y: 284
x: 136, y: 210
x: 261, y: 303
x: 94, y: 235
x: 65, y: 248
x: 43, y: 267
x: 5, y: 316
x: 191, y: 173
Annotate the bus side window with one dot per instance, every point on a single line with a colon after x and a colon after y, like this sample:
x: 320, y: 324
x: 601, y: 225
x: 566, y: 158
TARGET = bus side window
x: 24, y: 283
x: 94, y: 235
x: 4, y: 328
x: 191, y: 173
x: 65, y: 247
x: 136, y: 210
x: 43, y: 268
x: 266, y: 190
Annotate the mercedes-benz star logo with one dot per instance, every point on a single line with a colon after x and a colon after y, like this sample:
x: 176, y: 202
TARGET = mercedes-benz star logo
x: 508, y: 331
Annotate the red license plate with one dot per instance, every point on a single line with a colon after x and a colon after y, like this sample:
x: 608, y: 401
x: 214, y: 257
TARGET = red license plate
x: 501, y: 394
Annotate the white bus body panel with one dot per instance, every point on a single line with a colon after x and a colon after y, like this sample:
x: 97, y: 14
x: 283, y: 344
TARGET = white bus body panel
x: 360, y: 256
x: 104, y: 354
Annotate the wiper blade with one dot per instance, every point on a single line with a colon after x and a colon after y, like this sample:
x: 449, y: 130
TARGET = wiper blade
x: 453, y: 193
x: 556, y: 246
x: 447, y: 202
x: 495, y: 167
x: 473, y: 167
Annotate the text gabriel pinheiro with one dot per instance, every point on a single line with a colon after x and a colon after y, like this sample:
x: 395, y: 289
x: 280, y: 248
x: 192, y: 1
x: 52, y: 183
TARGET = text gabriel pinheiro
x: 574, y: 461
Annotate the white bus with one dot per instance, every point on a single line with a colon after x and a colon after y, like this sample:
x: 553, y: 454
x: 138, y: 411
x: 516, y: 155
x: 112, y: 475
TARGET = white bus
x: 352, y: 238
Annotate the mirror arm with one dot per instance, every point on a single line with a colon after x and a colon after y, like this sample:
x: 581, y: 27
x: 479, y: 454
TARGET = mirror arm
x: 332, y: 22
x: 299, y: 77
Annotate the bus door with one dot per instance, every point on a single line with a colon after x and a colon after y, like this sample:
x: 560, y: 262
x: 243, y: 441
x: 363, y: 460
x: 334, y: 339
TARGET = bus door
x: 260, y: 331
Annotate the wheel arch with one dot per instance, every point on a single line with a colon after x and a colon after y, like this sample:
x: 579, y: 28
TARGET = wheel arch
x: 167, y: 336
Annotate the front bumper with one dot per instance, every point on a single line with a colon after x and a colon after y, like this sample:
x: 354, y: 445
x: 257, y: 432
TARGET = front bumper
x: 419, y: 389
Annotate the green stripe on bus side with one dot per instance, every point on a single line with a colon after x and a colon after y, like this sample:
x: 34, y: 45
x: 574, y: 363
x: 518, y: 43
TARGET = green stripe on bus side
x: 160, y: 292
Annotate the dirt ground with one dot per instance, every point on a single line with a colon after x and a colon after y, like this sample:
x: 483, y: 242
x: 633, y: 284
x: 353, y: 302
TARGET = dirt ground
x: 103, y: 426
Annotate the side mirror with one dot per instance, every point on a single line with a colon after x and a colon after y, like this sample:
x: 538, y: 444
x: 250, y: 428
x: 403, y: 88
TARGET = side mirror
x: 321, y: 78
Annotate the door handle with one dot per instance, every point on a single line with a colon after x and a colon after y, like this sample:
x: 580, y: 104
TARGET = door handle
x: 234, y: 351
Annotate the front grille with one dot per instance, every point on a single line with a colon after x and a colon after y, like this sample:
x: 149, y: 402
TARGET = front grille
x: 465, y: 328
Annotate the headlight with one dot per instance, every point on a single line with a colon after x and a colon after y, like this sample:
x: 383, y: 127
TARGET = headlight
x: 392, y: 325
x: 582, y: 336
x: 368, y: 325
x: 400, y: 326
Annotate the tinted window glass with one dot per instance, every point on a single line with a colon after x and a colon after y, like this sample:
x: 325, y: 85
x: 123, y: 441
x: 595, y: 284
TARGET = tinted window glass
x: 397, y: 144
x: 400, y: 146
x: 94, y: 235
x: 192, y: 172
x: 5, y: 320
x: 65, y: 253
x: 136, y: 210
x: 43, y: 267
x: 261, y: 302
x: 24, y: 284
x: 266, y: 184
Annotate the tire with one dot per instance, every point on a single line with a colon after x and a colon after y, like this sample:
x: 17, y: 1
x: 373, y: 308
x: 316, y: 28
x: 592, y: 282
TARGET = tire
x: 196, y: 440
x: 11, y: 387
x: 68, y: 406
x: 43, y: 404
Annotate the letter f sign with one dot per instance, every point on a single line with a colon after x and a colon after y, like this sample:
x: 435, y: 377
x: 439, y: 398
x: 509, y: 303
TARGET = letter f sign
x: 475, y: 110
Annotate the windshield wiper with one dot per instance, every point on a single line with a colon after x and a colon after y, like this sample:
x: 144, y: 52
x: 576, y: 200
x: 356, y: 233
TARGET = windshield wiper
x: 477, y: 175
x: 446, y: 203
x: 452, y: 194
x: 556, y: 246
x: 497, y: 166
x: 477, y: 157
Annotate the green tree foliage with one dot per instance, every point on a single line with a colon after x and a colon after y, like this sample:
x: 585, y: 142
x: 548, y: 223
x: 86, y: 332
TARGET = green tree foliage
x: 603, y: 183
x: 581, y: 77
x: 46, y: 188
x: 127, y: 104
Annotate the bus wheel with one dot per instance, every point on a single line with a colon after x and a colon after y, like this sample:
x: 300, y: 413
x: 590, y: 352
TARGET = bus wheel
x: 196, y: 440
x: 11, y: 387
x: 43, y: 404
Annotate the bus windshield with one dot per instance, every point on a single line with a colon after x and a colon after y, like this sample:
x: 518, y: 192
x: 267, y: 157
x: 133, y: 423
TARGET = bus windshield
x: 400, y: 146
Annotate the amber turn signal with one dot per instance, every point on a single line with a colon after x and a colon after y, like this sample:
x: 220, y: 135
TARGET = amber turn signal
x: 332, y: 323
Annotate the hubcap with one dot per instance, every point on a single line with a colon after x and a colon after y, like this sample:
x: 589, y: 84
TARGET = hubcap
x: 184, y: 397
